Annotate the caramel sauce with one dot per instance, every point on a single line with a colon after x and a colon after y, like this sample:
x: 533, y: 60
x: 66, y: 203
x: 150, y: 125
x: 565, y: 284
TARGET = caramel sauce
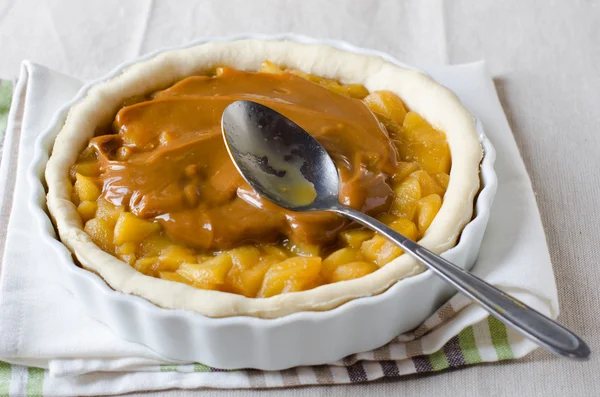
x: 167, y: 160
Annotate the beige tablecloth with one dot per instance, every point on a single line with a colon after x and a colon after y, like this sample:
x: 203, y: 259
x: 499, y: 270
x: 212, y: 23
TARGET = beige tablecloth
x: 545, y: 57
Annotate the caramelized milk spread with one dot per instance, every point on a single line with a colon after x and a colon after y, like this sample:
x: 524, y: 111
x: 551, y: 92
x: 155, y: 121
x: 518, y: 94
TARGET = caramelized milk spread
x: 168, y: 162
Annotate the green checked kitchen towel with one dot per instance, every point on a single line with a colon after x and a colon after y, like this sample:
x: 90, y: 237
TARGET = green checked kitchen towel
x: 486, y: 341
x: 5, y: 97
x: 54, y: 349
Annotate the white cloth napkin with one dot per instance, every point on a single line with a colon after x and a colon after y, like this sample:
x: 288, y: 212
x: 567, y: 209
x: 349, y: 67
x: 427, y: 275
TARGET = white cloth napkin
x: 42, y: 325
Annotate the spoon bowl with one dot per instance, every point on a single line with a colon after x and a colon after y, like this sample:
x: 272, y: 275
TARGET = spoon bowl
x: 279, y: 159
x: 286, y: 165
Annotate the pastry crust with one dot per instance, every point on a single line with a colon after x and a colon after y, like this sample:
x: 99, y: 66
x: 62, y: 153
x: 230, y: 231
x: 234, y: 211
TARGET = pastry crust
x: 420, y: 93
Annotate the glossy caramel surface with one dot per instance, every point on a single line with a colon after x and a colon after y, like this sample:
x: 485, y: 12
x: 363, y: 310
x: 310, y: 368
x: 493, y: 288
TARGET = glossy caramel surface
x: 167, y: 160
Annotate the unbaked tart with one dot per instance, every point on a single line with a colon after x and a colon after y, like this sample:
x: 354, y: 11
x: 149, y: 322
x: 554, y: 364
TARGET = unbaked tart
x: 143, y: 192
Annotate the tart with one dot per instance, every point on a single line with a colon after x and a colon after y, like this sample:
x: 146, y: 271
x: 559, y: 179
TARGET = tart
x: 142, y: 191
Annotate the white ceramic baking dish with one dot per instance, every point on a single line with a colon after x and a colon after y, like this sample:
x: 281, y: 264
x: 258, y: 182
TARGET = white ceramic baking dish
x: 305, y: 338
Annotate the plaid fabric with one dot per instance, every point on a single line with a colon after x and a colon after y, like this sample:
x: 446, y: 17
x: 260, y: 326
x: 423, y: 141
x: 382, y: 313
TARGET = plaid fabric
x: 5, y: 97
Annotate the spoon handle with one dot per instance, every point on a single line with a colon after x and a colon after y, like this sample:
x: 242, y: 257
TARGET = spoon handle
x: 534, y: 325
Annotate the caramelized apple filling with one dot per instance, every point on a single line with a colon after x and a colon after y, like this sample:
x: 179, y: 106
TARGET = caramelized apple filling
x: 160, y: 192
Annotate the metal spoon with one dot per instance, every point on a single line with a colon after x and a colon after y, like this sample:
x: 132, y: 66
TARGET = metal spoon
x: 286, y: 165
